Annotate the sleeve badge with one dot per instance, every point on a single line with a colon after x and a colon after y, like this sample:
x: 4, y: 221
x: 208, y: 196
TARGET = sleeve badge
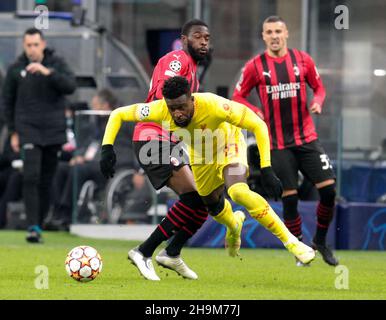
x: 144, y: 112
x: 175, y: 66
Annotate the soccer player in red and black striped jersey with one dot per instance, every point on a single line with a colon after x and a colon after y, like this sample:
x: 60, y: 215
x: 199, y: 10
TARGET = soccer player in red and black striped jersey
x: 188, y: 214
x: 280, y: 76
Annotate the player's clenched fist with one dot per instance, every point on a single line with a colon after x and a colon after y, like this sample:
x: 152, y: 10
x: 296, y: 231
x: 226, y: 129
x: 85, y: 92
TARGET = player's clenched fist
x: 271, y: 183
x: 108, y: 160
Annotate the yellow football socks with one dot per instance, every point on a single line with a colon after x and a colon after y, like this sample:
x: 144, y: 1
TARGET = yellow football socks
x: 226, y: 216
x: 259, y: 209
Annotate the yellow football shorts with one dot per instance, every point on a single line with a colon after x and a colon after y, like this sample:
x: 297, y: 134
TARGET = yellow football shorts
x: 209, y: 177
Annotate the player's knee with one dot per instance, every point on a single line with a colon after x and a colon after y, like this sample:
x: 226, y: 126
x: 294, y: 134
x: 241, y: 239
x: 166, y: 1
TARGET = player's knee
x: 238, y: 191
x: 192, y: 200
x: 327, y: 195
x: 216, y: 207
x: 242, y: 195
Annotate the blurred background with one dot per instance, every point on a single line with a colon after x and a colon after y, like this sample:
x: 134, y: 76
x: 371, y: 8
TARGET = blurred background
x: 115, y: 45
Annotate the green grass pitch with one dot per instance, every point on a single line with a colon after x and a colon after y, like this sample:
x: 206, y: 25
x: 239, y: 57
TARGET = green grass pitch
x: 259, y: 274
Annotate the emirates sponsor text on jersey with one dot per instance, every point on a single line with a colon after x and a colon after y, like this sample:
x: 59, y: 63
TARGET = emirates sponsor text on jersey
x: 283, y: 90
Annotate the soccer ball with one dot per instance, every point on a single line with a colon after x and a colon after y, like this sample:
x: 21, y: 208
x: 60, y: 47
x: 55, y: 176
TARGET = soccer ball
x: 83, y: 263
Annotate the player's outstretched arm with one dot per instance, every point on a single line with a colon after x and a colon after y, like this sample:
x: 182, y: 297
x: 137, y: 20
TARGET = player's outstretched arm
x: 108, y: 157
x: 115, y: 122
x: 139, y: 112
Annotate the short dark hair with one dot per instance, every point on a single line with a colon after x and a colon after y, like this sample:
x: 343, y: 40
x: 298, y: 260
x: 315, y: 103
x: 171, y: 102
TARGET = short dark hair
x: 188, y: 25
x: 273, y: 19
x: 175, y: 87
x: 107, y: 96
x: 32, y: 31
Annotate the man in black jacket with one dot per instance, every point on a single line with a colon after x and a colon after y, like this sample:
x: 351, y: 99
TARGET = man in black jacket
x: 33, y: 93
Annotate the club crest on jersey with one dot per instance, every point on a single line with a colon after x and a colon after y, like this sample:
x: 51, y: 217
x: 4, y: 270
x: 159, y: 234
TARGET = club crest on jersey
x: 226, y: 106
x: 296, y: 70
x: 144, y: 112
x: 175, y: 66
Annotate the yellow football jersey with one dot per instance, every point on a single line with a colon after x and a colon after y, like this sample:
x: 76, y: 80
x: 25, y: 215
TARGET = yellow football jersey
x: 215, y: 126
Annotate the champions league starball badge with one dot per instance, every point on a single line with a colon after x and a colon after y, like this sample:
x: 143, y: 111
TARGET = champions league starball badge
x: 175, y: 66
x: 144, y: 112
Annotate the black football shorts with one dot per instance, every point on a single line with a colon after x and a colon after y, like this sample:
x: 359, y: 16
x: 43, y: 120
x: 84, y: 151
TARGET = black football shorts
x: 310, y: 159
x: 159, y: 158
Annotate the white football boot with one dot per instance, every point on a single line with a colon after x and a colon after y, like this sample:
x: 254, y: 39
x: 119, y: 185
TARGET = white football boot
x: 301, y: 264
x: 144, y: 265
x: 301, y: 251
x: 176, y: 264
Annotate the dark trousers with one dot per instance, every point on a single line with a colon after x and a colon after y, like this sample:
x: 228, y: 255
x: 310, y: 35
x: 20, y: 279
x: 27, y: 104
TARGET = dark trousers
x: 11, y: 192
x: 38, y: 171
x: 4, y: 176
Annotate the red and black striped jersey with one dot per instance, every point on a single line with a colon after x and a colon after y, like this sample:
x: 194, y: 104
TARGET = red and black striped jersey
x: 174, y: 63
x: 281, y: 84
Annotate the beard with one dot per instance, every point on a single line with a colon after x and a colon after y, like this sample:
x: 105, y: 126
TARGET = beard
x: 194, y: 54
x: 183, y: 123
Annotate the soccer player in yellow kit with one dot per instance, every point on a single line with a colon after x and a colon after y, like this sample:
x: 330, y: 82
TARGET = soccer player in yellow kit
x: 199, y: 116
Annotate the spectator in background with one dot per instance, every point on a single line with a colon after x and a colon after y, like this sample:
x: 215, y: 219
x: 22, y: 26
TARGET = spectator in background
x: 33, y: 93
x: 84, y: 165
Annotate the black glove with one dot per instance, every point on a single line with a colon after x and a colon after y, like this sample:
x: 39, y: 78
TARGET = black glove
x: 271, y: 184
x: 108, y: 160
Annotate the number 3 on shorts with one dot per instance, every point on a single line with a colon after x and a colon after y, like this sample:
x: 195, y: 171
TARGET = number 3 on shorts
x: 325, y: 161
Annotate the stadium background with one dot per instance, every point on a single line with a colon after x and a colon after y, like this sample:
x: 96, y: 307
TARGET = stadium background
x: 116, y: 44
